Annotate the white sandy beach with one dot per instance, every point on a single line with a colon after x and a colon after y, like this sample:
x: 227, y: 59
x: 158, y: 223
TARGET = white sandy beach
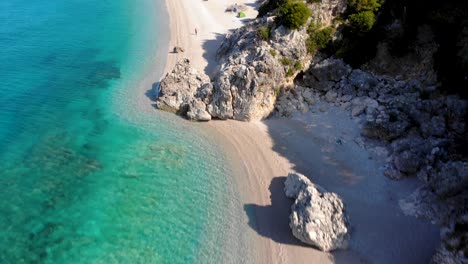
x: 263, y: 153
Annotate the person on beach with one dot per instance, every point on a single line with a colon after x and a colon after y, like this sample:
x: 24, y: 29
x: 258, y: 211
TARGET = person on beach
x: 196, y: 32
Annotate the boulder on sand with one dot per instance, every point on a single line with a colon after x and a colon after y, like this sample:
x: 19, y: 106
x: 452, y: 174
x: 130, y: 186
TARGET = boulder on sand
x: 318, y: 217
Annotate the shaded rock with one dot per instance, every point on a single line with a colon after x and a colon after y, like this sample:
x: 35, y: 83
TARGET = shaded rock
x: 318, y: 217
x: 197, y: 111
x: 454, y: 247
x: 434, y: 127
x: 324, y: 75
x: 362, y: 80
x: 447, y: 179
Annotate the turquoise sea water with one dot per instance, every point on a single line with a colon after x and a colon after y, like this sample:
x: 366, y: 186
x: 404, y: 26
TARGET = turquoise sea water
x: 81, y: 179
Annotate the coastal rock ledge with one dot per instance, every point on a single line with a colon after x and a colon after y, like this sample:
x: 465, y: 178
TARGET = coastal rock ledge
x: 318, y: 217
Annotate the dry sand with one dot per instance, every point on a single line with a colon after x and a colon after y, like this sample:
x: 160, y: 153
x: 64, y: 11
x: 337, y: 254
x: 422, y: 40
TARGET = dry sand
x: 263, y: 153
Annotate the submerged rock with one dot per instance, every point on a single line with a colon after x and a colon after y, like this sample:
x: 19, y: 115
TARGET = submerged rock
x: 318, y: 217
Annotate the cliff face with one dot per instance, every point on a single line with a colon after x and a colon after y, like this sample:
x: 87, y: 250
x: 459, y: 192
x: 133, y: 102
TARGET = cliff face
x: 252, y: 70
x: 257, y: 61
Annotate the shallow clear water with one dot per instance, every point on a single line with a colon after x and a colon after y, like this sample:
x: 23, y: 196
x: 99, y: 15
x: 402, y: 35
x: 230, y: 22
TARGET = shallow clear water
x: 82, y: 180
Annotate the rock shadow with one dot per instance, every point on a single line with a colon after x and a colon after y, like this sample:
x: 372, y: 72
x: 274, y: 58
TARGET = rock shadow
x: 272, y: 221
x: 210, y: 48
x: 152, y: 93
x: 324, y: 145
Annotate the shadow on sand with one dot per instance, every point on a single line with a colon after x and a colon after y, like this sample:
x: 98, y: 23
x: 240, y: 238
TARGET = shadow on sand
x: 323, y: 147
x: 276, y: 215
x: 152, y: 93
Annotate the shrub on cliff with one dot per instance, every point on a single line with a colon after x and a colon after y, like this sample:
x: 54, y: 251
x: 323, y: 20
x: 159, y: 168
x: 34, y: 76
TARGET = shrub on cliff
x: 318, y: 38
x: 264, y: 32
x: 293, y: 14
x: 269, y: 6
x: 363, y: 21
x: 364, y: 5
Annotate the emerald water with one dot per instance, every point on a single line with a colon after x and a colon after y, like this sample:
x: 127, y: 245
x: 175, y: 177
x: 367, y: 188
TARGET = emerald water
x: 85, y: 176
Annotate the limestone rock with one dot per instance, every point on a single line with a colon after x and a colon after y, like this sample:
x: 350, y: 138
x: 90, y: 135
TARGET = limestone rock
x: 197, y: 111
x: 251, y: 74
x: 326, y: 10
x: 318, y: 217
x: 180, y: 86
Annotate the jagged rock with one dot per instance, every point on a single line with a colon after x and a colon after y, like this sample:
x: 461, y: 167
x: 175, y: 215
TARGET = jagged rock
x: 434, y: 127
x: 318, y: 217
x: 362, y: 80
x: 197, y: 111
x: 180, y: 86
x: 325, y: 74
x: 454, y: 247
x: 447, y: 179
x: 331, y: 96
x: 251, y: 75
x: 412, y: 153
x: 326, y: 10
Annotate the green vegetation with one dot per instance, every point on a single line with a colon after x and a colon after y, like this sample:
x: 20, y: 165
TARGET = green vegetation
x: 285, y: 61
x: 290, y: 72
x: 361, y: 14
x: 298, y: 66
x: 269, y: 6
x: 273, y: 52
x: 363, y: 21
x: 264, y: 32
x: 293, y: 14
x: 276, y: 90
x: 318, y: 38
x: 364, y: 5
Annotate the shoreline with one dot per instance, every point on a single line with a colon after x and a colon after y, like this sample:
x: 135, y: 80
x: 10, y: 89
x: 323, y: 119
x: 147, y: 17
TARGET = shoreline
x: 262, y: 153
x: 254, y: 172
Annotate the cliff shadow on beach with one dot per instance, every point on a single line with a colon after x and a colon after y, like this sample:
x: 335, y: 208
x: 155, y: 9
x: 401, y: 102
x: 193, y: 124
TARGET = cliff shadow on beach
x: 325, y: 146
x: 210, y: 49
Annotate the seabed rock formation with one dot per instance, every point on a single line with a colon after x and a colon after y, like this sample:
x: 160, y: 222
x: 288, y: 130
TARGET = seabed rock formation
x: 318, y: 217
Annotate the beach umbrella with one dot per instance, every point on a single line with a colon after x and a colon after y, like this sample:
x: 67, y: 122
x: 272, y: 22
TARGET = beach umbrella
x: 241, y: 14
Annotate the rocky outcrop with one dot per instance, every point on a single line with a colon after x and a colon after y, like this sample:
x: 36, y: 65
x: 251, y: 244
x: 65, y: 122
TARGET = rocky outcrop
x: 326, y: 10
x: 253, y: 70
x: 454, y: 247
x: 318, y: 217
x: 422, y: 129
x: 185, y: 91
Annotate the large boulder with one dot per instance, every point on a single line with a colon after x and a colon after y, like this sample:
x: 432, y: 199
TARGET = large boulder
x: 318, y: 217
x: 179, y: 88
x: 253, y: 70
x: 197, y: 111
